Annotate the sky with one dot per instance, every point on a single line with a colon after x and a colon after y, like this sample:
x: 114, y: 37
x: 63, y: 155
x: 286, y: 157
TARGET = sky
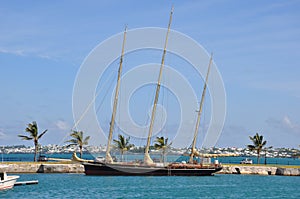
x: 256, y: 46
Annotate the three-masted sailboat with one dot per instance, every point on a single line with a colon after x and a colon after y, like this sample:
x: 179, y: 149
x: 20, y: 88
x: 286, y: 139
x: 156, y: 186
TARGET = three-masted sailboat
x: 148, y: 167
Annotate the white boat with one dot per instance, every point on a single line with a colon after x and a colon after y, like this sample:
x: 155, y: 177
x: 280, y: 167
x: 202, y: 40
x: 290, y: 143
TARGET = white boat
x: 246, y: 161
x: 6, y: 182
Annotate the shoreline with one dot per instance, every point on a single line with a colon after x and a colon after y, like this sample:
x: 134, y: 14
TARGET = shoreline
x: 283, y: 170
x: 67, y: 167
x: 38, y: 167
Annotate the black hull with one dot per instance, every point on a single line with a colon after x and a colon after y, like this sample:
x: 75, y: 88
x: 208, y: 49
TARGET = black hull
x: 102, y: 169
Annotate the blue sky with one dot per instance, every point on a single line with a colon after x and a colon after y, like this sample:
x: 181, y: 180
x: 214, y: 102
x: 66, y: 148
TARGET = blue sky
x: 256, y: 46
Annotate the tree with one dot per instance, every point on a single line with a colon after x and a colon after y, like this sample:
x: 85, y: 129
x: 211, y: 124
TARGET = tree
x: 162, y: 144
x: 258, y: 144
x: 32, y: 129
x: 122, y: 144
x: 78, y: 140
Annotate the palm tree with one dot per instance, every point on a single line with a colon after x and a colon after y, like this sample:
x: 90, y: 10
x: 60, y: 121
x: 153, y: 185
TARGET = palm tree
x: 78, y: 140
x: 32, y: 129
x: 258, y: 144
x: 123, y: 144
x: 162, y: 143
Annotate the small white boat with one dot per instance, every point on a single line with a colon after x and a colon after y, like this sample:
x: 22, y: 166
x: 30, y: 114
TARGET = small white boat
x: 246, y: 161
x: 6, y: 182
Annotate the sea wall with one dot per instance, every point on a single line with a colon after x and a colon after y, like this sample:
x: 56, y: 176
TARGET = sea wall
x: 78, y: 168
x: 22, y: 167
x: 43, y: 168
x: 61, y: 168
x: 288, y: 171
x: 259, y: 170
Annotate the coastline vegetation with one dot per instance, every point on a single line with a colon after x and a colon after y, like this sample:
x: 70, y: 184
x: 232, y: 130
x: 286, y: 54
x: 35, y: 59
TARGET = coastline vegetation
x: 258, y: 144
x: 122, y: 144
x: 34, y: 135
x: 78, y: 140
x: 162, y: 144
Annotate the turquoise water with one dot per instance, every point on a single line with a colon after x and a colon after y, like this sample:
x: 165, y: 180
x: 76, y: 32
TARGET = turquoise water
x: 218, y: 186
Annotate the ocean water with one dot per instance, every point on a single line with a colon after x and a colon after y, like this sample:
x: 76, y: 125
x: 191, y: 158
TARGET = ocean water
x: 218, y: 186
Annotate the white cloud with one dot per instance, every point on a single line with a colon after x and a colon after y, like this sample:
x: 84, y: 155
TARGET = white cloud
x: 2, y: 134
x: 14, y: 52
x: 285, y: 123
x: 62, y: 125
x: 29, y: 52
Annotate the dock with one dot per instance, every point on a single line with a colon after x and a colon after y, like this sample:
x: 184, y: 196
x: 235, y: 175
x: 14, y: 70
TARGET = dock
x: 26, y: 183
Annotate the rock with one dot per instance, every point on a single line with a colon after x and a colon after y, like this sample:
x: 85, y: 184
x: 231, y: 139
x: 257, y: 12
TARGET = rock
x: 61, y: 168
x: 288, y: 171
x: 44, y: 168
x: 247, y: 169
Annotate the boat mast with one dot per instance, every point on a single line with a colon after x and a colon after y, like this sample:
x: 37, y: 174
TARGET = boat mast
x: 199, y: 114
x: 108, y: 158
x: 147, y: 158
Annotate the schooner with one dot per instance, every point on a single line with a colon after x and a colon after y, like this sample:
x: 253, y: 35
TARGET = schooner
x: 148, y: 167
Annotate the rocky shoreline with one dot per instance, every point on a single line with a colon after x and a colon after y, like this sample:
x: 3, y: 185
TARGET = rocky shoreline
x: 259, y: 170
x: 78, y: 168
x: 43, y: 168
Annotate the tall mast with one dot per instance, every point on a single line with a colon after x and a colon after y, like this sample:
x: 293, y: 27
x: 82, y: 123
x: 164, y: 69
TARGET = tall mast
x: 108, y: 158
x: 199, y: 113
x: 147, y: 158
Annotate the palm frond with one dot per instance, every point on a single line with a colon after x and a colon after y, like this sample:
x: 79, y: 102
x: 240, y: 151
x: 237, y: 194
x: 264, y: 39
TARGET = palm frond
x: 251, y: 147
x: 24, y: 137
x: 71, y: 145
x: 86, y: 140
x: 122, y: 143
x: 161, y: 143
x: 72, y: 141
x: 78, y: 139
x: 42, y: 134
x: 32, y: 129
